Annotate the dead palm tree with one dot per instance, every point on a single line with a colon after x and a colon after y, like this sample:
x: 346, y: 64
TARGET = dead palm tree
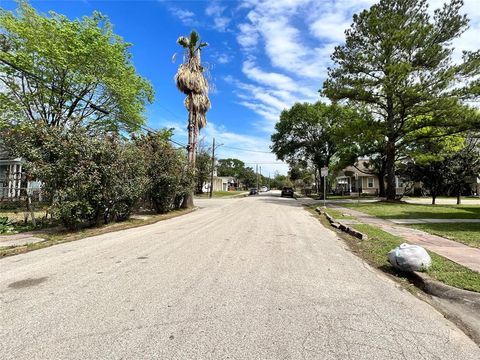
x: 190, y: 79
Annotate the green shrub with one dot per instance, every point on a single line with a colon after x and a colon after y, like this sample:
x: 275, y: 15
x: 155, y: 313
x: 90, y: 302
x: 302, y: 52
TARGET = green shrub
x: 6, y: 227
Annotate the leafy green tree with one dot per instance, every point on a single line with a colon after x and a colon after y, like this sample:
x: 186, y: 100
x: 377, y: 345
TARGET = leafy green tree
x: 396, y: 61
x: 247, y: 177
x: 430, y: 163
x: 280, y: 181
x: 230, y: 167
x: 203, y: 169
x: 309, y: 133
x: 86, y: 180
x: 463, y: 168
x: 432, y: 175
x: 169, y: 178
x: 65, y: 61
x: 305, y: 132
x: 357, y: 139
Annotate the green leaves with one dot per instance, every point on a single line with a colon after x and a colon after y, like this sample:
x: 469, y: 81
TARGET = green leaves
x: 72, y: 62
x: 310, y: 132
x: 396, y: 63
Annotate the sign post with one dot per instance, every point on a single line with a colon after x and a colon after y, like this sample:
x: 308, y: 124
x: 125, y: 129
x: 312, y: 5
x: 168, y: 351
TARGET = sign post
x: 324, y: 173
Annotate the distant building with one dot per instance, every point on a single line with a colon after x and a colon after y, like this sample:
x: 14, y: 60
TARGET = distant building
x: 358, y: 178
x: 221, y: 183
x: 12, y: 179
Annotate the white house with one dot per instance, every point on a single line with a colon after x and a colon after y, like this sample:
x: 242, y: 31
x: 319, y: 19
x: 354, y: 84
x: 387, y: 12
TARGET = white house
x: 353, y: 179
x: 12, y: 180
x: 221, y: 183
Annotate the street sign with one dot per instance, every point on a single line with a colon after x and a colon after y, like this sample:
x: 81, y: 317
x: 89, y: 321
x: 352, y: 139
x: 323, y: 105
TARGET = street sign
x: 324, y: 171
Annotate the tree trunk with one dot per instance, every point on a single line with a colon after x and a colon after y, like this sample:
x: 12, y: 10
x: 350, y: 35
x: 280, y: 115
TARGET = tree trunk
x: 459, y: 200
x: 190, y: 128
x: 187, y: 202
x: 434, y: 196
x: 381, y: 184
x: 390, y: 169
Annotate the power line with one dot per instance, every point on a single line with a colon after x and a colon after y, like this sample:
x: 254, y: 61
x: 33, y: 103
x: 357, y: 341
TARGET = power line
x: 88, y: 102
x: 53, y: 87
x: 256, y: 151
x: 265, y: 163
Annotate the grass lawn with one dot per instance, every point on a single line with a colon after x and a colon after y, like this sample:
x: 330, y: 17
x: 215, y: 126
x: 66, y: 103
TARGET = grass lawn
x: 16, y: 221
x: 338, y: 214
x: 17, y: 216
x: 466, y: 233
x: 387, y: 210
x: 379, y: 243
x: 349, y: 197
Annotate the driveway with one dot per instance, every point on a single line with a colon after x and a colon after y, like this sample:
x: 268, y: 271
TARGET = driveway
x: 250, y: 278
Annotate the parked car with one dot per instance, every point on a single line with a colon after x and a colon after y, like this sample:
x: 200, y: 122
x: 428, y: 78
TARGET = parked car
x: 253, y: 191
x: 263, y: 189
x: 287, y: 192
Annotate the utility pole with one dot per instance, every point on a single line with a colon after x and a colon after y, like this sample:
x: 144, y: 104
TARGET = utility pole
x: 256, y: 170
x: 213, y: 167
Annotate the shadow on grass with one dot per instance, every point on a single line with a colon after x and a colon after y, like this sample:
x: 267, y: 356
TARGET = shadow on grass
x: 388, y: 210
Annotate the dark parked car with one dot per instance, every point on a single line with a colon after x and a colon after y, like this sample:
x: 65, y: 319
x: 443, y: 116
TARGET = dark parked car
x: 253, y: 191
x: 287, y: 192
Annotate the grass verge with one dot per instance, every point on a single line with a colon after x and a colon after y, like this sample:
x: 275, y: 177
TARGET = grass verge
x: 336, y: 214
x: 379, y: 243
x: 465, y: 233
x: 386, y: 210
x: 374, y: 251
x: 62, y: 236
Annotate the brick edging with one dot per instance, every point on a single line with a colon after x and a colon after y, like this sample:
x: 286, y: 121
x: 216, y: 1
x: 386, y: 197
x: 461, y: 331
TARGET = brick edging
x: 343, y: 227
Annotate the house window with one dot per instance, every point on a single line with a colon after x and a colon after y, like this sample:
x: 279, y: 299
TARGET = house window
x: 370, y: 182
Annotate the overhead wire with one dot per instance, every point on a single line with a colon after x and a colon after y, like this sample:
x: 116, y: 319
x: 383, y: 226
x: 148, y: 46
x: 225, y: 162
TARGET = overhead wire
x: 106, y: 112
x: 95, y: 107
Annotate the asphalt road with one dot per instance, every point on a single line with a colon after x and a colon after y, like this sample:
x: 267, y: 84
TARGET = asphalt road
x: 251, y: 278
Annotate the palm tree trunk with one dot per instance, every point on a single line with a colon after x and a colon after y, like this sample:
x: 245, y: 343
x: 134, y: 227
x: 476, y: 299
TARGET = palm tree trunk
x: 195, y: 137
x: 190, y: 132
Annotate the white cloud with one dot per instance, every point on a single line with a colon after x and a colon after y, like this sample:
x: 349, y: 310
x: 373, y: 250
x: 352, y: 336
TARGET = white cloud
x: 253, y: 150
x: 331, y: 27
x: 247, y: 36
x: 272, y: 79
x: 224, y: 58
x: 220, y: 21
x: 187, y: 17
x: 297, y: 38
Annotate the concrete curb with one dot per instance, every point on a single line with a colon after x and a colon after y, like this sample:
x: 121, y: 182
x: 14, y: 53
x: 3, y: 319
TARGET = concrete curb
x: 462, y: 307
x: 441, y: 290
x: 343, y: 227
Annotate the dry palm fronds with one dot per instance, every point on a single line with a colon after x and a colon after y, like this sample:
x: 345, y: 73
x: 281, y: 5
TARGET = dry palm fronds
x: 190, y: 81
x: 201, y: 120
x: 199, y: 103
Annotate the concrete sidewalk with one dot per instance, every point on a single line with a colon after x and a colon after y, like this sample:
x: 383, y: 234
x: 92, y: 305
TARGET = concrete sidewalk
x: 19, y: 239
x: 433, y: 221
x: 455, y: 251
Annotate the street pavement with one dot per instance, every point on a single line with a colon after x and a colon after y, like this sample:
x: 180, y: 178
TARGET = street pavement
x: 250, y: 278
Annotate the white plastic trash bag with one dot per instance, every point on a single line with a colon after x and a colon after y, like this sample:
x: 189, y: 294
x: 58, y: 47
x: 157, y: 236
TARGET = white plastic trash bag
x: 409, y: 258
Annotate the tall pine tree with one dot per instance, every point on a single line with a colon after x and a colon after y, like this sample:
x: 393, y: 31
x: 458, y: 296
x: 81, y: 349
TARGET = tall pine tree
x: 397, y: 61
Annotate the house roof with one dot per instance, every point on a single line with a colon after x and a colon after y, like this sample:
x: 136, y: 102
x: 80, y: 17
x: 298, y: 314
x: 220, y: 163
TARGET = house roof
x: 360, y: 169
x: 4, y: 153
x: 6, y: 157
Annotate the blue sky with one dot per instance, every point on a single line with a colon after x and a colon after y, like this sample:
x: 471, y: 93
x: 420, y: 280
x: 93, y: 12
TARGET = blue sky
x: 263, y: 57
